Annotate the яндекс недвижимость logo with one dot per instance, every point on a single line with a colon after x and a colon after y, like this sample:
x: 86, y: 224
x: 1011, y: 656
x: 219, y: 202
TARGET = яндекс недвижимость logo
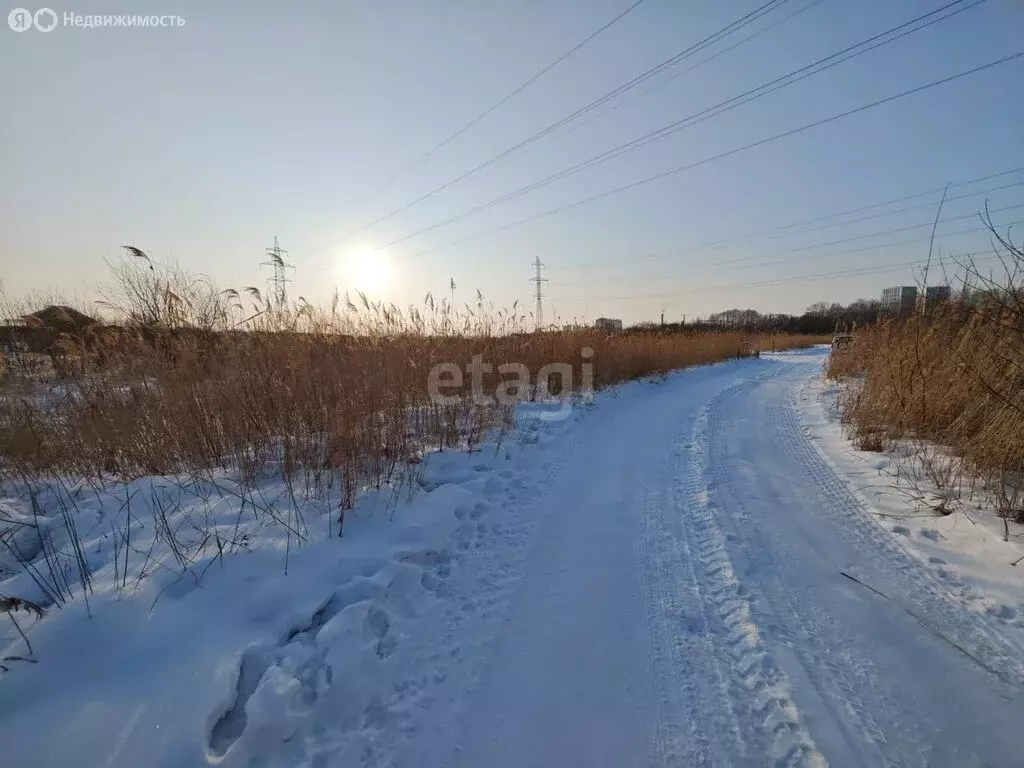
x: 22, y: 19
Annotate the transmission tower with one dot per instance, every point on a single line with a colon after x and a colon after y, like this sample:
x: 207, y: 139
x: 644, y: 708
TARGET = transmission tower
x: 538, y: 278
x: 279, y: 282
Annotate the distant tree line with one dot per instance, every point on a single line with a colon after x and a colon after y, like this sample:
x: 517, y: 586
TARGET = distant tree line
x: 820, y: 317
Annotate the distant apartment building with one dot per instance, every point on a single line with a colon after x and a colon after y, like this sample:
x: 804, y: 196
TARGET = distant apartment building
x: 934, y: 295
x: 608, y: 324
x: 899, y: 300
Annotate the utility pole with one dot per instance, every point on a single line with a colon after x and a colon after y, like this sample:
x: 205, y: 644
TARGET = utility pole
x: 539, y: 278
x: 279, y: 282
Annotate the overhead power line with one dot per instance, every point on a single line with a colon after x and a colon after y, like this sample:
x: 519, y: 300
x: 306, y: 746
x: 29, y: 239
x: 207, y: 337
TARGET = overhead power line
x: 854, y: 238
x: 882, y: 214
x: 643, y: 77
x: 669, y: 253
x: 809, y: 257
x: 742, y: 41
x: 882, y: 269
x: 729, y: 153
x: 821, y: 65
x: 732, y: 263
x: 718, y: 245
x: 510, y: 95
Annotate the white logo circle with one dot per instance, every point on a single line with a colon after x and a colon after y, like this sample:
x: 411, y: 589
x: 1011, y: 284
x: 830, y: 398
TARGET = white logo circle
x: 19, y: 19
x: 45, y: 19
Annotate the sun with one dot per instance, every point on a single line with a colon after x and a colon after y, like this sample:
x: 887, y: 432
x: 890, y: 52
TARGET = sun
x: 367, y: 270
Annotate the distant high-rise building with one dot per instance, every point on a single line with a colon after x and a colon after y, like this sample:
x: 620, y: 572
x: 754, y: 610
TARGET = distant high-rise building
x: 933, y: 296
x: 608, y: 324
x: 899, y: 300
x: 937, y: 293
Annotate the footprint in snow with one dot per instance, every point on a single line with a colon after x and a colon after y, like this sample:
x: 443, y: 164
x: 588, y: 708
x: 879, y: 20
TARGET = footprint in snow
x: 378, y: 622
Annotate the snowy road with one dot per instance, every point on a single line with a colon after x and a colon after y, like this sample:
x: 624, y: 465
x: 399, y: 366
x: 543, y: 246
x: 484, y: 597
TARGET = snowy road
x: 680, y: 600
x: 674, y: 576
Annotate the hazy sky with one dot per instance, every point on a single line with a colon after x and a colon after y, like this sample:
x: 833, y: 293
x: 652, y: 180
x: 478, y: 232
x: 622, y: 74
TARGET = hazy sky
x: 202, y: 142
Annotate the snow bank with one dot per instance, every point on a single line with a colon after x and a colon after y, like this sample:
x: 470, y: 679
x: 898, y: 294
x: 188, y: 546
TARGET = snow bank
x: 215, y: 618
x: 174, y: 666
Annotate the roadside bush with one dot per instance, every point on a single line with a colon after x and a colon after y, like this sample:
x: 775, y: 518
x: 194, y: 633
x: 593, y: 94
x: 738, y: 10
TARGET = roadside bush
x: 952, y: 375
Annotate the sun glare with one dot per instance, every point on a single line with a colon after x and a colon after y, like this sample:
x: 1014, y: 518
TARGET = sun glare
x: 368, y: 270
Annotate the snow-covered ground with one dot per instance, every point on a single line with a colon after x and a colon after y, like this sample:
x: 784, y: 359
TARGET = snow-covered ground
x: 694, y: 571
x: 968, y: 549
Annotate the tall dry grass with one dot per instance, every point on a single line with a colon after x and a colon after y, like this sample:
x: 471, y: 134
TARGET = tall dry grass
x: 952, y: 376
x: 196, y: 380
x: 184, y: 394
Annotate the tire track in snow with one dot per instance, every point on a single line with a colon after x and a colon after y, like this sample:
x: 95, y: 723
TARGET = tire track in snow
x: 861, y: 668
x: 696, y: 721
x: 999, y: 616
x: 707, y: 591
x: 610, y: 654
x: 768, y: 706
x: 926, y: 595
x: 679, y: 657
x: 843, y: 680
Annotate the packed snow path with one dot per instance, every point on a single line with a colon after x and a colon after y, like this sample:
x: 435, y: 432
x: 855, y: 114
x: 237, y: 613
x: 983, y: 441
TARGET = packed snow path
x: 682, y: 602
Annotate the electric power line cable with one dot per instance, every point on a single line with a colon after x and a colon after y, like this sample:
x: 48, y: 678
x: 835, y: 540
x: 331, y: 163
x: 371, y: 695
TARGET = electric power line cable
x: 630, y: 99
x: 854, y: 238
x: 643, y: 77
x: 814, y: 256
x: 875, y: 269
x: 905, y: 209
x: 781, y: 229
x: 512, y: 94
x: 795, y: 76
x: 730, y: 153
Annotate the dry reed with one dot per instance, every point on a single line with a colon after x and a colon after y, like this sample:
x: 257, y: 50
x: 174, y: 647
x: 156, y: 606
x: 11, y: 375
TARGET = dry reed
x: 952, y: 375
x: 198, y: 381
